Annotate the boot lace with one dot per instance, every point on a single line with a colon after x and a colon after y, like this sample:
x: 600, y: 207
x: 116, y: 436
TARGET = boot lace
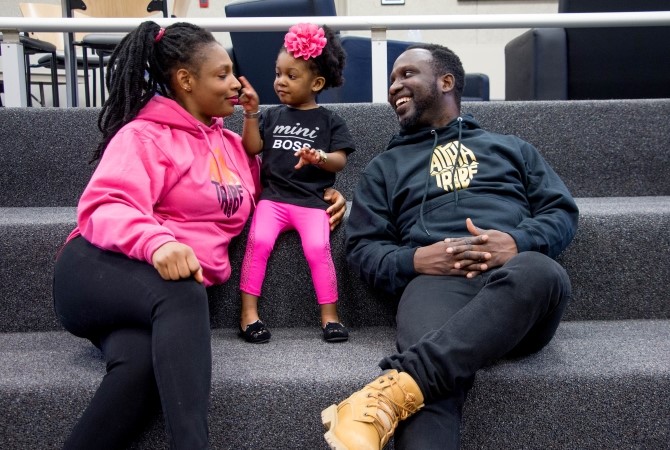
x: 389, y: 411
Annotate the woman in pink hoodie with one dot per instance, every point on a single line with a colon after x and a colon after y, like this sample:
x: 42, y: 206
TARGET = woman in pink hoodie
x: 171, y: 189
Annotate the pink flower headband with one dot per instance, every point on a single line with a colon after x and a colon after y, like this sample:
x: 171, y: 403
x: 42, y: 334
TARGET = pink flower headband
x: 305, y: 40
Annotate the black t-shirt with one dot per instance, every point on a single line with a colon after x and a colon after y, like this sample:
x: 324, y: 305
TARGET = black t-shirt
x: 286, y: 130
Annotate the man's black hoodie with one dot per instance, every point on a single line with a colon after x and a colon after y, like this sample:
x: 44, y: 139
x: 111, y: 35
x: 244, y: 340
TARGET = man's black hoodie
x: 413, y: 195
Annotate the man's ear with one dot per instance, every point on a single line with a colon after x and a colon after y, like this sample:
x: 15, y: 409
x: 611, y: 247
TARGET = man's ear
x: 183, y: 78
x: 318, y: 84
x: 447, y: 82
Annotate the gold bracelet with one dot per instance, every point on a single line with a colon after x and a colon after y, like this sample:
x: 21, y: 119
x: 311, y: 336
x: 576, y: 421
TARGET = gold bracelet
x: 253, y: 115
x: 323, y: 157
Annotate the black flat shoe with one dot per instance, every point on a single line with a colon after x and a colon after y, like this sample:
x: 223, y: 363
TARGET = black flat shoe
x: 335, y: 332
x: 255, y: 333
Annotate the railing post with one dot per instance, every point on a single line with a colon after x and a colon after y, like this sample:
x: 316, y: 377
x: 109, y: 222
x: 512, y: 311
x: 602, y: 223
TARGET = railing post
x: 71, y: 86
x: 14, y: 69
x: 70, y: 54
x: 379, y: 63
x: 14, y: 73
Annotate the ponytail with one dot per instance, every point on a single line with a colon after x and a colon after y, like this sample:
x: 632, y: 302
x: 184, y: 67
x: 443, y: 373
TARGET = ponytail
x: 141, y: 67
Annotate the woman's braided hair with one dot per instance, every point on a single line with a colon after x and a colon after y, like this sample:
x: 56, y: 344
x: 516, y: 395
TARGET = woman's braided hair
x: 141, y: 67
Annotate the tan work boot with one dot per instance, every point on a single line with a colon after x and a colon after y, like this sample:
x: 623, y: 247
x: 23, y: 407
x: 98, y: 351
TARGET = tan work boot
x: 368, y: 418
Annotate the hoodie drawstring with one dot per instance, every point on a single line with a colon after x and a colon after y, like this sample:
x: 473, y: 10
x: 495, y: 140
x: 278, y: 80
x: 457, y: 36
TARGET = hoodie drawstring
x: 454, y: 172
x: 234, y: 163
x: 425, y: 186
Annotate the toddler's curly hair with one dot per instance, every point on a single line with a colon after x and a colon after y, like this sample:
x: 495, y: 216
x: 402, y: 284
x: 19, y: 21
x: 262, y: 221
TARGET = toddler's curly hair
x: 330, y: 63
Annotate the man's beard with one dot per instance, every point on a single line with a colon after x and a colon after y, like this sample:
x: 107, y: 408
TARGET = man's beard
x: 421, y: 105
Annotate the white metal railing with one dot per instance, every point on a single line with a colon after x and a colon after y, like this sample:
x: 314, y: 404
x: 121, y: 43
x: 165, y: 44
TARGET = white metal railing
x: 12, y: 50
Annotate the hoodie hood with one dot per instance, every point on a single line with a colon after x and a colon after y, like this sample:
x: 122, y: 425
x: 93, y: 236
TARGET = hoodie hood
x: 165, y: 111
x: 452, y: 131
x: 167, y: 177
x: 428, y: 182
x: 448, y: 132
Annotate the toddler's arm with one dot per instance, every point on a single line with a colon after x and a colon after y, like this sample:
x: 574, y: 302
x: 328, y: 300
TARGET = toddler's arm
x: 251, y: 135
x: 332, y: 162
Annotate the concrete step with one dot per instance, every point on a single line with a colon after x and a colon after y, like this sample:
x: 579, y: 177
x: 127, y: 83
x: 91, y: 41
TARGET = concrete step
x: 599, y: 148
x: 603, y: 383
x: 596, y: 385
x: 615, y: 264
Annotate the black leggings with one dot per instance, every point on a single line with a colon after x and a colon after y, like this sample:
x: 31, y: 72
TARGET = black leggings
x: 155, y: 338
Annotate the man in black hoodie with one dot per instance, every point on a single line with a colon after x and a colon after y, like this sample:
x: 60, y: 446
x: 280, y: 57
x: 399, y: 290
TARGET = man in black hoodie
x: 464, y: 225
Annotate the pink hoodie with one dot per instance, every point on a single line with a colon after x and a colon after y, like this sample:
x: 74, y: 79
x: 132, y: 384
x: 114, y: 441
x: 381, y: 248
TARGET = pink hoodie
x: 167, y: 177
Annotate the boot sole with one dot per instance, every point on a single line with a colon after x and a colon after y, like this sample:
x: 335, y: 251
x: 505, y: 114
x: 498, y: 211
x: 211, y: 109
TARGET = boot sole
x: 329, y: 420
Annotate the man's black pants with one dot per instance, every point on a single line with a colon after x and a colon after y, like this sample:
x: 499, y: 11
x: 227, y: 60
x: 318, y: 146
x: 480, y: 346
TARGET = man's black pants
x: 450, y: 327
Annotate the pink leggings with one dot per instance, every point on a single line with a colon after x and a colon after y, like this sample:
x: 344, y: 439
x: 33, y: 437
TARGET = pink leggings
x: 269, y: 221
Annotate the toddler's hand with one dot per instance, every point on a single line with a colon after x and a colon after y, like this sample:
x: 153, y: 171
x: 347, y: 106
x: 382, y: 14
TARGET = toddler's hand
x: 248, y: 96
x: 307, y: 156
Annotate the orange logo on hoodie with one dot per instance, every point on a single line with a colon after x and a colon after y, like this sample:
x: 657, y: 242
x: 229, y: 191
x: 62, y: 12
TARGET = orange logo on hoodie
x: 229, y: 190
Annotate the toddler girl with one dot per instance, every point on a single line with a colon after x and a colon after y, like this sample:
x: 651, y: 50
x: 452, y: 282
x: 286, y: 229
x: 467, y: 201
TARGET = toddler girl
x: 303, y: 146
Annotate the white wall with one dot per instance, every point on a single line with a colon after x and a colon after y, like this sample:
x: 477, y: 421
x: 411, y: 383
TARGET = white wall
x: 480, y: 50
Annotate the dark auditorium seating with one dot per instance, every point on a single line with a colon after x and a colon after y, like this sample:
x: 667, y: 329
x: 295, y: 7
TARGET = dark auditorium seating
x: 591, y: 63
x: 255, y: 52
x: 357, y: 73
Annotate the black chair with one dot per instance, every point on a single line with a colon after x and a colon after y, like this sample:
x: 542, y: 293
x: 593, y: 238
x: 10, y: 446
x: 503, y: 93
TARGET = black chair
x: 477, y: 88
x: 33, y: 46
x: 591, y: 63
x: 103, y: 44
x: 357, y: 86
x: 47, y: 62
x: 357, y: 73
x: 254, y: 53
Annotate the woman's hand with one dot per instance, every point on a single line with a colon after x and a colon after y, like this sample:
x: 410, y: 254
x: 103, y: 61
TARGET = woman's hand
x: 337, y: 208
x: 174, y: 261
